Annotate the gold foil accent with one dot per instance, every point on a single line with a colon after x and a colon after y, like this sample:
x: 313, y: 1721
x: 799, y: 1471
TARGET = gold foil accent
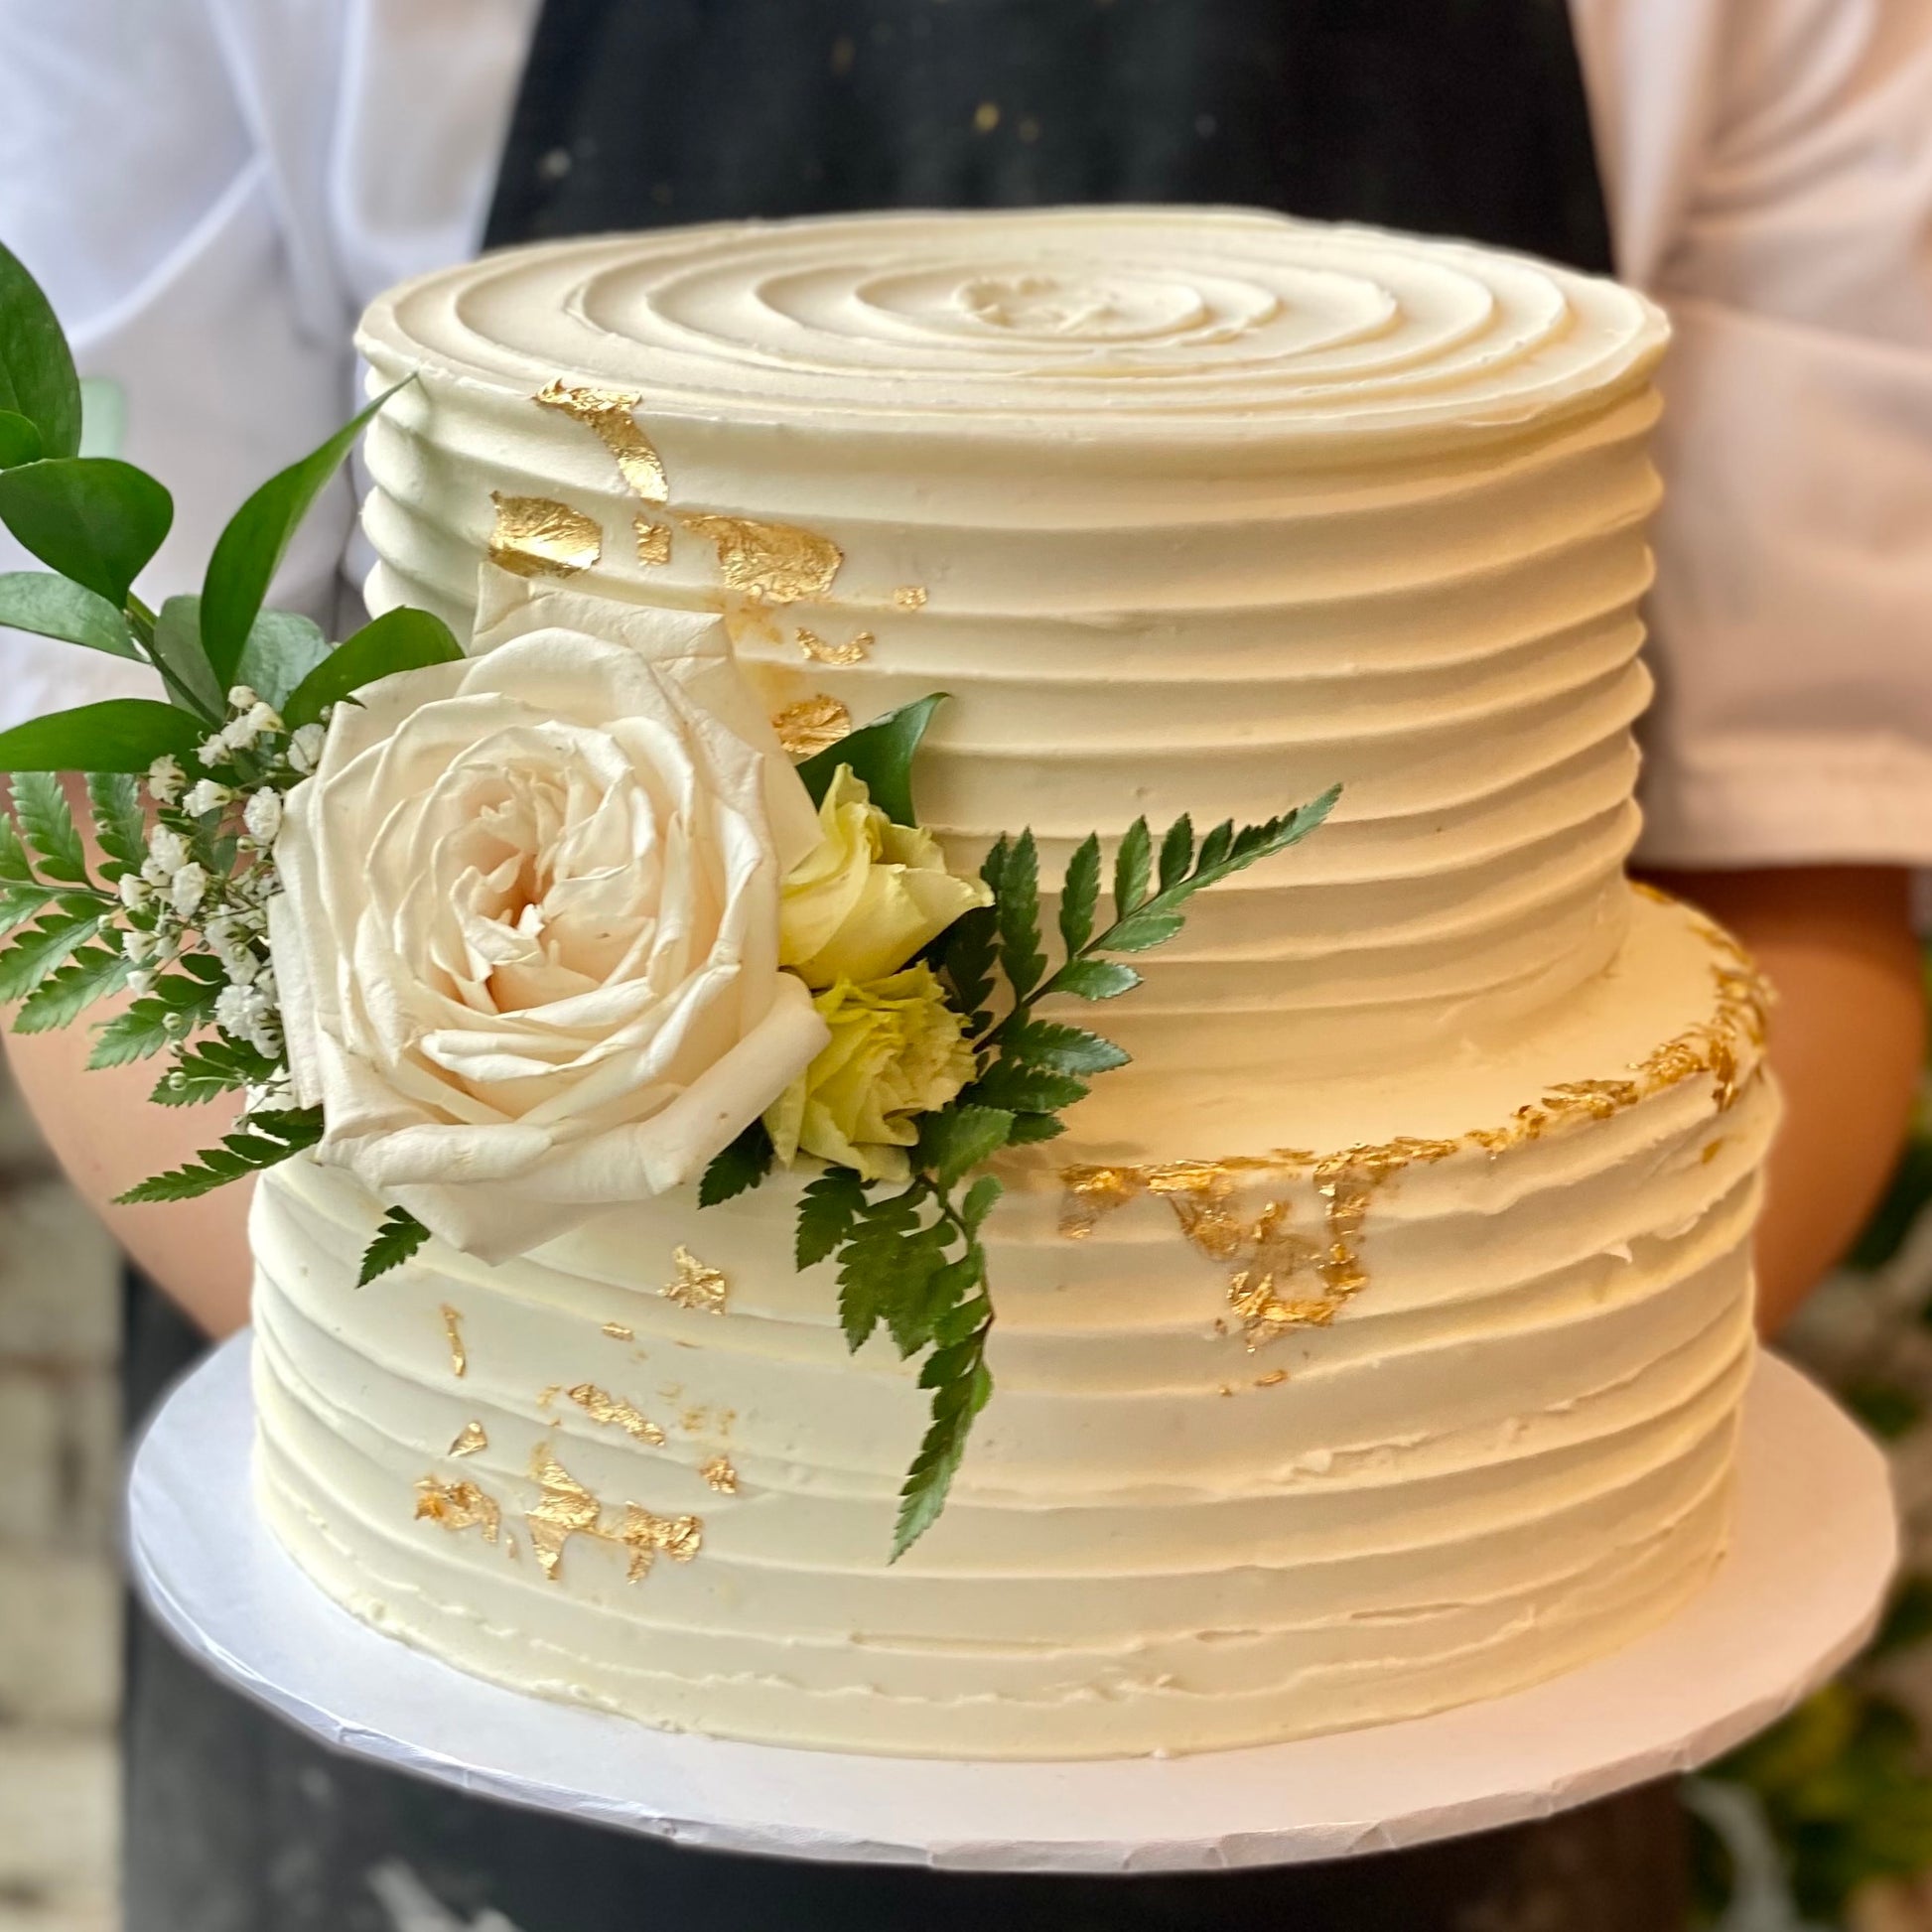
x: 720, y: 1476
x: 458, y: 1506
x: 654, y: 540
x: 909, y: 597
x: 618, y: 1332
x: 769, y: 563
x: 608, y: 412
x: 452, y: 1331
x: 811, y: 725
x: 1269, y: 1256
x: 536, y: 536
x: 1272, y: 1380
x: 649, y: 1537
x: 471, y: 1442
x: 602, y: 1406
x: 550, y: 1395
x: 695, y: 1285
x: 854, y: 652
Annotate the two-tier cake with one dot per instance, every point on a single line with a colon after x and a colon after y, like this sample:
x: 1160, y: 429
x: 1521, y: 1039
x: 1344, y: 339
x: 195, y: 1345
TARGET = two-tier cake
x: 1373, y: 1342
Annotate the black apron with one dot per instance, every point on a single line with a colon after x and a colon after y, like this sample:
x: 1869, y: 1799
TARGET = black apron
x: 1463, y: 117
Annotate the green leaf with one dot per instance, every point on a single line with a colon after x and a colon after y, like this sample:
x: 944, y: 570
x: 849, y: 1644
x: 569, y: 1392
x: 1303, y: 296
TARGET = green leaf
x: 251, y: 550
x: 826, y: 1211
x: 1141, y: 930
x: 41, y: 806
x: 1095, y: 979
x: 1017, y: 907
x: 956, y: 1403
x: 399, y: 641
x: 19, y: 903
x: 743, y: 1164
x: 282, y: 650
x: 1080, y: 895
x: 205, y: 1073
x: 39, y: 950
x: 916, y: 1296
x: 1215, y: 849
x: 104, y: 416
x: 115, y: 735
x: 52, y: 607
x: 1177, y: 851
x: 93, y: 518
x: 993, y: 868
x: 264, y: 1141
x: 183, y: 663
x: 396, y: 1240
x: 1130, y: 865
x: 870, y: 1263
x: 1029, y: 1128
x: 37, y: 378
x: 16, y: 869
x: 979, y: 1202
x: 1064, y: 1049
x: 20, y: 440
x: 881, y: 755
x: 64, y: 995
x: 957, y: 1139
x: 968, y: 951
x: 143, y: 1029
x: 120, y: 826
x: 1017, y: 1089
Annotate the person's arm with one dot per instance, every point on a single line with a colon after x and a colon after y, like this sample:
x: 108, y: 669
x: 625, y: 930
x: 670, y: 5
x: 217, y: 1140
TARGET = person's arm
x: 1847, y: 1040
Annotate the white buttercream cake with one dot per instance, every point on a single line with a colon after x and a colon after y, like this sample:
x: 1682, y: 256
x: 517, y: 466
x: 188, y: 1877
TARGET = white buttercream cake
x: 1373, y: 1342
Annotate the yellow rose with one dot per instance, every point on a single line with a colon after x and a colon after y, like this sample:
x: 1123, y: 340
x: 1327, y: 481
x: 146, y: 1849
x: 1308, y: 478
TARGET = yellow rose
x: 869, y: 895
x: 897, y: 1051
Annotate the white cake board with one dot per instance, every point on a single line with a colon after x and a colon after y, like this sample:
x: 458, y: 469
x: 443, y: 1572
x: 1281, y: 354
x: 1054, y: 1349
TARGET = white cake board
x: 1798, y: 1595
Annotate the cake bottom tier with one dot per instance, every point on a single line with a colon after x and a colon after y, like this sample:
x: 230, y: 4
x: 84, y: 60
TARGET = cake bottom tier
x: 1283, y: 1442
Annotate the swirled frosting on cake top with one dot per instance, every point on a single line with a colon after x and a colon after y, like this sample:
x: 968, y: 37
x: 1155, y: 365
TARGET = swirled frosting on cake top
x: 1189, y: 510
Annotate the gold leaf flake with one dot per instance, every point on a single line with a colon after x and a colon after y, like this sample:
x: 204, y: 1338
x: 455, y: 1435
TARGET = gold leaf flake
x: 602, y: 1406
x: 618, y: 1332
x: 608, y: 412
x: 720, y: 1476
x: 771, y: 563
x: 458, y: 1506
x: 695, y: 1285
x: 471, y: 1442
x: 909, y: 597
x: 536, y: 536
x: 567, y: 1509
x: 452, y: 1331
x: 1272, y: 1380
x: 811, y: 725
x: 550, y: 1395
x: 654, y: 540
x: 855, y: 651
x: 648, y: 1537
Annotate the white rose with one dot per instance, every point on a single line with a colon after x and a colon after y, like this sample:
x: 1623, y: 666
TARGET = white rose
x: 528, y: 935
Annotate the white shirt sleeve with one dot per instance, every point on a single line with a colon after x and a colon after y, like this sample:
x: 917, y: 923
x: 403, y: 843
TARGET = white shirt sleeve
x: 1769, y: 168
x: 209, y: 191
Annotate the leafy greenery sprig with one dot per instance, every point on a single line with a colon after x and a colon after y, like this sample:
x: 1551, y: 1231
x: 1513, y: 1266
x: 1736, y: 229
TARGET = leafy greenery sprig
x: 911, y: 1259
x: 178, y: 910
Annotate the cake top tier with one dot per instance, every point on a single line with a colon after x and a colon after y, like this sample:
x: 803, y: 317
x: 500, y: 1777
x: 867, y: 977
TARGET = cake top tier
x: 1222, y: 324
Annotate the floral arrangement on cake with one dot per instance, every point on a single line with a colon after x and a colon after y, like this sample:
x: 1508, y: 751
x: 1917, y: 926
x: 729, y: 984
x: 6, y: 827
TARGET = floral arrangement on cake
x: 520, y: 935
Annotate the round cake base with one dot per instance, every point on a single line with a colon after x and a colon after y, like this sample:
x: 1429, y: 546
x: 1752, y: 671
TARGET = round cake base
x: 1815, y: 1547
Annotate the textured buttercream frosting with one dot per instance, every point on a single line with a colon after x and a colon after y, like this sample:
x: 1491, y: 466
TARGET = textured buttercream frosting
x: 1373, y: 1341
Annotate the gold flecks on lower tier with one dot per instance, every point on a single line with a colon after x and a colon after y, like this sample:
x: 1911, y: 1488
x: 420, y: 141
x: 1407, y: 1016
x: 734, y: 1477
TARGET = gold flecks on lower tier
x: 618, y: 1331
x: 654, y: 540
x: 471, y: 1442
x: 458, y: 1506
x: 602, y: 1406
x: 453, y: 1334
x: 720, y: 1475
x: 1269, y: 1255
x: 855, y: 650
x: 565, y: 1509
x: 608, y: 412
x: 536, y: 536
x: 909, y: 597
x: 811, y: 725
x: 695, y: 1285
x: 769, y: 563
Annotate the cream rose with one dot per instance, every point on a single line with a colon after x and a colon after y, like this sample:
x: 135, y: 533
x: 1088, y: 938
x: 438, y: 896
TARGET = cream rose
x: 897, y: 1051
x: 528, y: 947
x: 870, y: 895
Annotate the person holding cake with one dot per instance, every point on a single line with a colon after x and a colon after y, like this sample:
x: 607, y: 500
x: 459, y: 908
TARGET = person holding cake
x: 1785, y: 776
